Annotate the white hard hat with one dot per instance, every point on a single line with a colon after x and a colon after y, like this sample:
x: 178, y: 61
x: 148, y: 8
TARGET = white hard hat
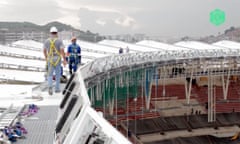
x: 53, y: 29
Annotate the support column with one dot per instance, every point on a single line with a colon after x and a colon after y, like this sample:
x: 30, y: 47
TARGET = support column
x: 91, y: 96
x: 111, y: 106
x: 116, y: 98
x: 225, y: 85
x: 157, y: 77
x: 211, y: 98
x: 188, y: 87
x: 98, y: 90
x: 164, y: 76
x: 148, y: 86
x: 104, y: 87
x: 110, y: 95
x: 121, y: 78
x: 143, y: 78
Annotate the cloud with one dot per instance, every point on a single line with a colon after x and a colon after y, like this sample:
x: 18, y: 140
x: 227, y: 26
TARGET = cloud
x: 106, y: 21
x: 155, y: 17
x: 125, y: 21
x: 72, y: 20
x: 28, y: 10
x: 72, y: 5
x: 103, y: 6
x: 97, y: 16
x: 3, y: 2
x: 101, y: 22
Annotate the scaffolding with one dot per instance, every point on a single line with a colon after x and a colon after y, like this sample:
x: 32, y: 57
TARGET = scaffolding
x: 121, y: 87
x: 114, y: 81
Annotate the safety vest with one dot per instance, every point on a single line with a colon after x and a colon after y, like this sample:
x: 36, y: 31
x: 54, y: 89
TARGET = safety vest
x: 74, y: 51
x: 53, y: 51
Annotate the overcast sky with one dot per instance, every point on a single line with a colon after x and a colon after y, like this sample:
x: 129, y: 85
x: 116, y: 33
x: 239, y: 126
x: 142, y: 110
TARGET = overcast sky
x: 166, y: 18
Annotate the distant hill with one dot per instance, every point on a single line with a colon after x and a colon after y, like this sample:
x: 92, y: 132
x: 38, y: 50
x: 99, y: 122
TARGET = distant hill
x: 29, y: 27
x: 232, y: 34
x: 60, y: 27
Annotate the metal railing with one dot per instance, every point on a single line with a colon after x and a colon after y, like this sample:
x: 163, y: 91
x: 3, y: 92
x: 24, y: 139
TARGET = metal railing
x: 21, y: 67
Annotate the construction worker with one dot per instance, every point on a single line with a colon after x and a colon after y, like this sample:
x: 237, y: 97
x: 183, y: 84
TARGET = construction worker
x: 127, y: 49
x: 74, y: 55
x: 54, y: 53
x: 120, y: 51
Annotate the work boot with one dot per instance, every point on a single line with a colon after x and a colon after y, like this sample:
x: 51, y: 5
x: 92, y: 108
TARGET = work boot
x: 57, y: 91
x: 50, y: 91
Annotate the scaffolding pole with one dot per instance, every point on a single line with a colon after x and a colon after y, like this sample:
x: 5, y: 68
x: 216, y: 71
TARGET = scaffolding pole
x: 188, y: 87
x: 225, y: 84
x: 211, y: 98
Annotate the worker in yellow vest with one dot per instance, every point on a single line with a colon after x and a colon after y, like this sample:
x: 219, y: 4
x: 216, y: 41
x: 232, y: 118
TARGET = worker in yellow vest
x: 53, y: 50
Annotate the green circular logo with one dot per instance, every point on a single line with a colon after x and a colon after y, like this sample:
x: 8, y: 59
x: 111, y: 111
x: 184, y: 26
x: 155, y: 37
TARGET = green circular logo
x: 217, y: 17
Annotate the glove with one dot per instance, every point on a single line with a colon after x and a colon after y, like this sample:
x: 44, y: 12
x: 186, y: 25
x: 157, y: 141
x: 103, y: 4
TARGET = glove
x: 79, y: 59
x: 46, y: 67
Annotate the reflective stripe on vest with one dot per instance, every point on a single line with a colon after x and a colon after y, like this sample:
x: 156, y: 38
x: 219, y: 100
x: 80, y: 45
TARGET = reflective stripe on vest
x: 74, y: 51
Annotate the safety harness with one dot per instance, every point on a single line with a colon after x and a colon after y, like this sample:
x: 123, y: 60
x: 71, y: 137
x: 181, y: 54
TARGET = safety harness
x: 53, y: 51
x: 74, y: 55
x: 74, y: 52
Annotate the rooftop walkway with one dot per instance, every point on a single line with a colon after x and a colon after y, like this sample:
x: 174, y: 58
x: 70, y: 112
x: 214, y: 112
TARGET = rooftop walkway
x: 40, y: 126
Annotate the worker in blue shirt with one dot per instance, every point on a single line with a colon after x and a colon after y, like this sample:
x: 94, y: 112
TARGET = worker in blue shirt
x: 74, y: 55
x: 120, y: 51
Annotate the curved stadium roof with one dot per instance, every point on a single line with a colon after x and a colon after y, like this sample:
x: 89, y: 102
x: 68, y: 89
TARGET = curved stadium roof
x: 161, y: 46
x: 228, y: 44
x: 132, y: 47
x: 195, y: 45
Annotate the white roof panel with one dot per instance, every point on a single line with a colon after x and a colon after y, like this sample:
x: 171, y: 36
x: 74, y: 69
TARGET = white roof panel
x: 98, y: 47
x: 198, y: 45
x: 29, y: 43
x: 37, y: 54
x: 132, y: 47
x: 161, y: 46
x: 86, y: 60
x: 22, y: 75
x: 93, y: 47
x: 228, y: 44
x: 92, y: 50
x: 23, y: 62
x: 20, y: 51
x: 88, y: 46
x: 92, y: 54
